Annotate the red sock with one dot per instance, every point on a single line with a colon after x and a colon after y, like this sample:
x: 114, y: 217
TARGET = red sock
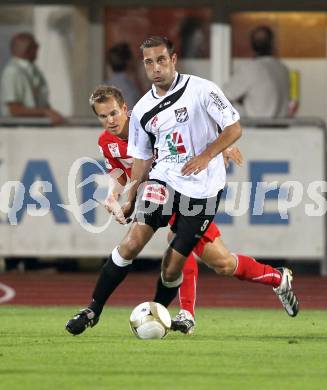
x: 187, y: 291
x: 249, y: 269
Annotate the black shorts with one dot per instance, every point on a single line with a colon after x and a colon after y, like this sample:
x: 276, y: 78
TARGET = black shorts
x: 156, y: 204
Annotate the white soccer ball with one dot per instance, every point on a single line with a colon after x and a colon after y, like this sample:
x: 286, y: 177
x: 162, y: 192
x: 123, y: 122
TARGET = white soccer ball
x: 150, y: 320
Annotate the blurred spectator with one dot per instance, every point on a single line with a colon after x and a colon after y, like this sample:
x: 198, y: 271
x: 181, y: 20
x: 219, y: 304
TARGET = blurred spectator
x: 260, y: 88
x: 194, y: 42
x: 120, y: 59
x: 24, y: 90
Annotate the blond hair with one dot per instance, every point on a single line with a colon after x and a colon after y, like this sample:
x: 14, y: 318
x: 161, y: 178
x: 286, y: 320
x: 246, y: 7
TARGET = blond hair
x: 103, y: 93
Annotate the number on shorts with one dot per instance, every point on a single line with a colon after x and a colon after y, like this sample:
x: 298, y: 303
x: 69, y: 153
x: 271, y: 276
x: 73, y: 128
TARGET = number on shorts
x: 204, y: 226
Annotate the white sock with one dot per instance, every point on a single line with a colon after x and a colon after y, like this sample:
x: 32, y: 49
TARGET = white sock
x: 118, y: 260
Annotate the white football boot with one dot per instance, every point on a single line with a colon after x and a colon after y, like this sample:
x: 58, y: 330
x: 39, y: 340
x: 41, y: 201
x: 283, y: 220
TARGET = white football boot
x: 286, y: 294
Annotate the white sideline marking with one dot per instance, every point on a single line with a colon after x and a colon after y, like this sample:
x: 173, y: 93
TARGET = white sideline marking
x: 9, y: 293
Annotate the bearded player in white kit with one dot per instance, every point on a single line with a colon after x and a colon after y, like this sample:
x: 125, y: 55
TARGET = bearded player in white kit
x: 178, y: 119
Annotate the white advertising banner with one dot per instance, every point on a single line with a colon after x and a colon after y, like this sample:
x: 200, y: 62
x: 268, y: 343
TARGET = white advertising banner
x: 52, y: 181
x: 280, y: 211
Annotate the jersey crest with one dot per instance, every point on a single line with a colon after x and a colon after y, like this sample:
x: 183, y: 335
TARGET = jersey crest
x: 181, y: 115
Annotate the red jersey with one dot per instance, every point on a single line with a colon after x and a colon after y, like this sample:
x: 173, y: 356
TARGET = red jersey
x: 114, y: 151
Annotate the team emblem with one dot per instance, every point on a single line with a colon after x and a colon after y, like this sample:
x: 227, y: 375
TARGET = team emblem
x: 114, y: 150
x: 181, y: 115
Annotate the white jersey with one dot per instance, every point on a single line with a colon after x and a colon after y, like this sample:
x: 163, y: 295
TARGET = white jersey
x: 179, y: 126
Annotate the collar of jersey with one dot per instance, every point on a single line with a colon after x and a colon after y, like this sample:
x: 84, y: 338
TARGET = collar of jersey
x: 172, y: 87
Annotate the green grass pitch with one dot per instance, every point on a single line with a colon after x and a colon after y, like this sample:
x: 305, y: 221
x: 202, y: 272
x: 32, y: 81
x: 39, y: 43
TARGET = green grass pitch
x: 230, y: 349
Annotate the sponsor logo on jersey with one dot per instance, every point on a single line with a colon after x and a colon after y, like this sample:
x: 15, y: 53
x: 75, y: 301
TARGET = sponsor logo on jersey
x: 218, y: 102
x: 114, y: 150
x: 177, y: 159
x: 181, y: 115
x: 165, y: 104
x: 175, y: 143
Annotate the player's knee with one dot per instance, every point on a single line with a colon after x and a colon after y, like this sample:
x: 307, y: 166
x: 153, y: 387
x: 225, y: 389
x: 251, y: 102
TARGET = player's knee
x: 224, y: 266
x: 170, y: 275
x: 130, y: 247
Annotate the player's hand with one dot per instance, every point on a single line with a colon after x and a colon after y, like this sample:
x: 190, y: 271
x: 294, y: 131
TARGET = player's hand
x: 123, y: 215
x: 233, y: 154
x: 111, y: 204
x: 195, y: 165
x: 113, y: 207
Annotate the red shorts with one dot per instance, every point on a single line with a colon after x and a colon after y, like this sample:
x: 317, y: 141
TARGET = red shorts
x: 209, y: 236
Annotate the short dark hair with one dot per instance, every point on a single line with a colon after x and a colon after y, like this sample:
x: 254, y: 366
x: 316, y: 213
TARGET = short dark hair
x: 21, y: 42
x: 155, y: 41
x: 118, y: 56
x: 262, y: 39
x: 103, y: 93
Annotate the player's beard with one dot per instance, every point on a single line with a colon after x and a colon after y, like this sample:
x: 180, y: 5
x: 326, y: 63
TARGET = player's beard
x: 163, y: 85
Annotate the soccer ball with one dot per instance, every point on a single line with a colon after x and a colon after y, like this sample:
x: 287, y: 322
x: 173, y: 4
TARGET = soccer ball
x: 150, y: 320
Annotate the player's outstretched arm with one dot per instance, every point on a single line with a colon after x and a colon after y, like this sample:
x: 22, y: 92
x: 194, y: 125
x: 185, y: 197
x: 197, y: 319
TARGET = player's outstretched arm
x: 116, y: 182
x: 229, y: 136
x: 140, y: 172
x: 233, y: 154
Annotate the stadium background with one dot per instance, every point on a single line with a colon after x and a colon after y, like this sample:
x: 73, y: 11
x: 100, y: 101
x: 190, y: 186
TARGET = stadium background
x: 71, y: 31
